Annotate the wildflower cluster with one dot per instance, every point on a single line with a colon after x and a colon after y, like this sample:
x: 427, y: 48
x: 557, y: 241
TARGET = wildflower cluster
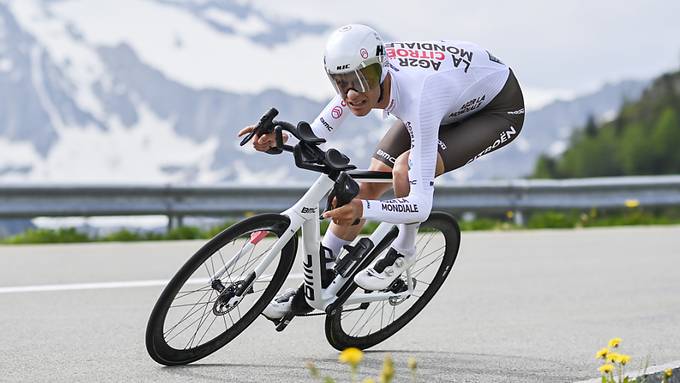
x: 353, y: 357
x: 612, y: 362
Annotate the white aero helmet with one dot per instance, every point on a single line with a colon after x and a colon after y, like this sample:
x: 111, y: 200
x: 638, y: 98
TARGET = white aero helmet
x: 354, y: 57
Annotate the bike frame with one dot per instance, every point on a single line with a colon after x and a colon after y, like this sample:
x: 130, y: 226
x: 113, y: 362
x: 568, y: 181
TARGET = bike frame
x: 305, y: 214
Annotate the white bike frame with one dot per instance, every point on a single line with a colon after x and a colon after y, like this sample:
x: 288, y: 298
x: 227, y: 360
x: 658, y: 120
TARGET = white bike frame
x: 305, y: 214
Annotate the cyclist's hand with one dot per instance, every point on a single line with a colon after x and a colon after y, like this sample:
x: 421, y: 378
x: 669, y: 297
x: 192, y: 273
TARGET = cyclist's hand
x: 346, y: 215
x: 262, y: 142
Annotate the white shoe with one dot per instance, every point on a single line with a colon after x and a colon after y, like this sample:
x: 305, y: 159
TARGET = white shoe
x: 381, y: 275
x: 280, y: 306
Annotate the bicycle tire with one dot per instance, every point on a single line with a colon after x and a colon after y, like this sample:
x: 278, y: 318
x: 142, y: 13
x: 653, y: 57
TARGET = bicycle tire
x: 160, y: 349
x: 340, y: 338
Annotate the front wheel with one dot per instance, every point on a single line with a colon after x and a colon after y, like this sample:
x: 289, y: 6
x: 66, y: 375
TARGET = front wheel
x: 365, y: 325
x: 199, y: 311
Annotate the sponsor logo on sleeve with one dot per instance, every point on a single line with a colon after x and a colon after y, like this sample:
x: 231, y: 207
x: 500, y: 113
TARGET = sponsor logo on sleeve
x: 399, y: 205
x: 382, y: 154
x: 327, y: 125
x: 336, y: 112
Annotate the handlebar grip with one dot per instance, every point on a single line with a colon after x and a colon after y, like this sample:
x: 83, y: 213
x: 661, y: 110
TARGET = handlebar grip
x: 263, y: 126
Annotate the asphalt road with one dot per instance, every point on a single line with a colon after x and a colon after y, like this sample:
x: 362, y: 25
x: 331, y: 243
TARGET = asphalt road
x: 518, y: 307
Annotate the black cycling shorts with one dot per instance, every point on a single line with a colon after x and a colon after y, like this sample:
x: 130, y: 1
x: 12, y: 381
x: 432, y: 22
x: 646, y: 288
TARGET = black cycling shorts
x: 461, y: 142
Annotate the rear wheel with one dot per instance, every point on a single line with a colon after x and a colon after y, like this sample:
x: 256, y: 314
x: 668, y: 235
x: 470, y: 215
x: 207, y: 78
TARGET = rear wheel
x: 197, y: 313
x: 365, y: 325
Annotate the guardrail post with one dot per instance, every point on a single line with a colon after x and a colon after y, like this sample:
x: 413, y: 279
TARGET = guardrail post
x: 175, y: 221
x: 519, y: 218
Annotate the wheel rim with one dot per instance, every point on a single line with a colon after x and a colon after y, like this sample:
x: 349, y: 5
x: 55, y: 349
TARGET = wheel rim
x: 383, y: 316
x: 197, y: 314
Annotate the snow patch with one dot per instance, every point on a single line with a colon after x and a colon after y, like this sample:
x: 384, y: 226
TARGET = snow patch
x: 536, y: 98
x: 78, y: 61
x: 246, y: 176
x: 121, y: 155
x: 6, y: 65
x: 251, y: 26
x: 207, y: 58
x: 16, y: 155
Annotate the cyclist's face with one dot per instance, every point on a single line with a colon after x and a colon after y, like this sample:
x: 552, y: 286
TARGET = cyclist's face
x: 360, y: 103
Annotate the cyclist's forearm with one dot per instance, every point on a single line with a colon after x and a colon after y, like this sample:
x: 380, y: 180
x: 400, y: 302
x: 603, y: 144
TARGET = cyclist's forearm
x: 330, y: 118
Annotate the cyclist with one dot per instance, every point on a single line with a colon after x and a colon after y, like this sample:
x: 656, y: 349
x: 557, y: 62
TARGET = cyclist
x: 454, y: 102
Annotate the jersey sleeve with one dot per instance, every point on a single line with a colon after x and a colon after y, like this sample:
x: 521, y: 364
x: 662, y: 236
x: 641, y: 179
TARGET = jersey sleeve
x: 423, y: 127
x: 330, y: 118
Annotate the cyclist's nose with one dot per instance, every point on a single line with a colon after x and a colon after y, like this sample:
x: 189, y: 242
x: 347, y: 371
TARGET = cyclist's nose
x: 352, y: 94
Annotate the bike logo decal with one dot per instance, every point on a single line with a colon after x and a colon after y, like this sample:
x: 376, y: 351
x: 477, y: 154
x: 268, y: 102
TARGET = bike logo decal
x: 336, y: 112
x: 307, y: 210
x: 309, y: 277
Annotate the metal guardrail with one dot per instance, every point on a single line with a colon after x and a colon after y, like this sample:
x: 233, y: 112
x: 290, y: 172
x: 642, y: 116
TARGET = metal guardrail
x: 29, y: 201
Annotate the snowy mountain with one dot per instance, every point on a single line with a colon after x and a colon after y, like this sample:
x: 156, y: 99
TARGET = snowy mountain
x: 154, y: 91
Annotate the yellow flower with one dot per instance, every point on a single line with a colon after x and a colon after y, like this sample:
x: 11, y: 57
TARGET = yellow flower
x: 387, y: 371
x: 412, y: 363
x: 606, y: 368
x: 668, y: 372
x: 614, y: 342
x: 623, y: 359
x: 613, y: 357
x: 351, y: 356
x: 368, y: 380
x: 602, y: 353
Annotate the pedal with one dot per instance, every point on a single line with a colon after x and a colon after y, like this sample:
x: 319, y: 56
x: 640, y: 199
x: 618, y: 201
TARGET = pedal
x: 284, y: 322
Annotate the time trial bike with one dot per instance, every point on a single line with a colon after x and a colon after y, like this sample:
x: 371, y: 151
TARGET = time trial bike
x: 229, y: 281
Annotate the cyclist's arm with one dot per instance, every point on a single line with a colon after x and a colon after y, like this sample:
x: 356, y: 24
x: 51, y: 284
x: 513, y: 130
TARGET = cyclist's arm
x: 425, y: 121
x: 330, y: 118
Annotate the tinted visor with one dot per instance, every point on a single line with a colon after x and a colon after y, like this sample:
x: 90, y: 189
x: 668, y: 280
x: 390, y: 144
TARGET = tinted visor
x: 361, y: 80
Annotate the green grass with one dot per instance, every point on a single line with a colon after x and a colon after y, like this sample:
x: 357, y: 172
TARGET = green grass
x: 537, y: 220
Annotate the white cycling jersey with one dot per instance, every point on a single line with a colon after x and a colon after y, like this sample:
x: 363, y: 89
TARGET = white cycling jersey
x: 433, y: 83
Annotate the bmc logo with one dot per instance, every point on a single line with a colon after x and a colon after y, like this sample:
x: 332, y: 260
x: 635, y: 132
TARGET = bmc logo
x: 342, y: 67
x: 307, y: 210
